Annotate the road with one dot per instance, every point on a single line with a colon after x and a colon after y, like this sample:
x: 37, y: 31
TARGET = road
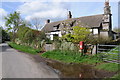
x: 20, y: 65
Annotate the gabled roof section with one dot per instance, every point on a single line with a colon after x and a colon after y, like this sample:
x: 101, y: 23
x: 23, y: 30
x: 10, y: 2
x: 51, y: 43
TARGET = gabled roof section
x: 91, y: 21
x: 86, y: 21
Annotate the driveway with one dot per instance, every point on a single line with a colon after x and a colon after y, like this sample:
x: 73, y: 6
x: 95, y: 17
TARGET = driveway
x: 16, y: 64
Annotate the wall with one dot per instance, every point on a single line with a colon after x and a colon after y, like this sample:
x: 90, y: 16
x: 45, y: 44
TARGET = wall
x: 49, y: 47
x: 104, y: 34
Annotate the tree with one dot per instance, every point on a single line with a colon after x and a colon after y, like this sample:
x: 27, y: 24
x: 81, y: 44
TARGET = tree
x: 36, y: 22
x: 22, y: 30
x: 3, y: 35
x: 116, y: 30
x: 78, y: 34
x: 13, y: 21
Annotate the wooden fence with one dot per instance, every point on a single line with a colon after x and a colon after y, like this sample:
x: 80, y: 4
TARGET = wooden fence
x: 104, y: 48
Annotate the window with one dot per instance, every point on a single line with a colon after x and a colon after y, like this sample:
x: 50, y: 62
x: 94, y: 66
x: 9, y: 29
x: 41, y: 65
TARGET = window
x: 95, y: 31
x: 91, y: 30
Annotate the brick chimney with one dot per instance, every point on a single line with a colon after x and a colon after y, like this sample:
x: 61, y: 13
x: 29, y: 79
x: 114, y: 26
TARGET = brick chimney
x: 47, y: 21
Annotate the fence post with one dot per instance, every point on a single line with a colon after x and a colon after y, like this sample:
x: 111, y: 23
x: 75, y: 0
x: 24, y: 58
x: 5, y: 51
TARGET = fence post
x: 97, y: 48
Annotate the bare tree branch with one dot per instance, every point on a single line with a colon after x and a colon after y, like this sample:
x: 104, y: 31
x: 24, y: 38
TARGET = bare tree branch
x: 36, y: 22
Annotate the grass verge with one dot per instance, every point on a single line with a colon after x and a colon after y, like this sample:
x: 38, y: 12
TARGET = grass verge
x: 70, y: 57
x: 22, y: 48
x: 108, y: 67
x: 117, y: 76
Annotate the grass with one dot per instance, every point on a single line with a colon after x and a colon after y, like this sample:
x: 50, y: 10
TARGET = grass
x: 111, y: 55
x: 70, y: 57
x: 23, y: 48
x: 73, y: 57
x: 117, y: 76
x: 108, y: 67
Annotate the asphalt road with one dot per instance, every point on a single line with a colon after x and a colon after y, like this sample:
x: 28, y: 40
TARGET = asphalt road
x: 20, y: 65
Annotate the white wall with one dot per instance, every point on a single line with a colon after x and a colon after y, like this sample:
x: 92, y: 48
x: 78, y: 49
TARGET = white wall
x: 95, y: 31
x: 52, y: 34
x: 51, y: 37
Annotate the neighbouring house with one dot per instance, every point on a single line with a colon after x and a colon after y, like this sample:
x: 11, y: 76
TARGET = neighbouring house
x: 100, y: 24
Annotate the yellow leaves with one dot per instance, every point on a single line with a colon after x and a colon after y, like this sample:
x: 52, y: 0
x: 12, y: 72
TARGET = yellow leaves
x: 79, y: 34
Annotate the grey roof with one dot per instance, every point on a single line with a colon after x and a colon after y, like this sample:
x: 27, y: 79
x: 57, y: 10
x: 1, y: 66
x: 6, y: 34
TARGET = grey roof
x: 86, y: 21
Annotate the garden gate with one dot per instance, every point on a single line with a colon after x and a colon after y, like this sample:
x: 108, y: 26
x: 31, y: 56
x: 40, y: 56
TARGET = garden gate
x: 109, y: 53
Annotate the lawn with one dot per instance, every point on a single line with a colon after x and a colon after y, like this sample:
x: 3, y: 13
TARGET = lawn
x: 23, y: 48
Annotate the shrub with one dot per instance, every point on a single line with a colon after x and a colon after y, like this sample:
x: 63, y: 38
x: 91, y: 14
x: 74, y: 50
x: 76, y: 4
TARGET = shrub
x: 30, y: 37
x: 17, y: 41
x: 98, y: 40
x: 68, y: 46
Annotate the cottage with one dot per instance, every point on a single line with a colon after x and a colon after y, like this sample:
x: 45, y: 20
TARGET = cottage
x: 100, y: 25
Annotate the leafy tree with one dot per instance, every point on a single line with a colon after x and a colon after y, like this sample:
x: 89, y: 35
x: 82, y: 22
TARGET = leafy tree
x: 13, y: 21
x: 78, y: 34
x: 3, y: 35
x: 22, y: 30
x: 0, y: 34
x: 116, y: 30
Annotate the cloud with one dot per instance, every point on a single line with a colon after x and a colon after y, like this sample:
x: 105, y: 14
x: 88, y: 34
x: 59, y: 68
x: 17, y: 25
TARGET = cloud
x: 59, y: 0
x: 3, y: 13
x: 51, y: 10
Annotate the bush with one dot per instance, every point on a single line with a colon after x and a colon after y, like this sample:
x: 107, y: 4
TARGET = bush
x: 98, y: 40
x: 30, y: 37
x: 17, y: 41
x: 68, y: 46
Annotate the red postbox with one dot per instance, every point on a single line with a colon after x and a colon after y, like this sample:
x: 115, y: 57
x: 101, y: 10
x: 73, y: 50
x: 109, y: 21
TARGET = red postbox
x: 81, y: 45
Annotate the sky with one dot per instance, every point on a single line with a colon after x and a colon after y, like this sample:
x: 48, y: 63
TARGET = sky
x: 55, y: 11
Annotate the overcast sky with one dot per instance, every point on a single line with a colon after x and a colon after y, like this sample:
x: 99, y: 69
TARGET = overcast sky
x: 55, y: 11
